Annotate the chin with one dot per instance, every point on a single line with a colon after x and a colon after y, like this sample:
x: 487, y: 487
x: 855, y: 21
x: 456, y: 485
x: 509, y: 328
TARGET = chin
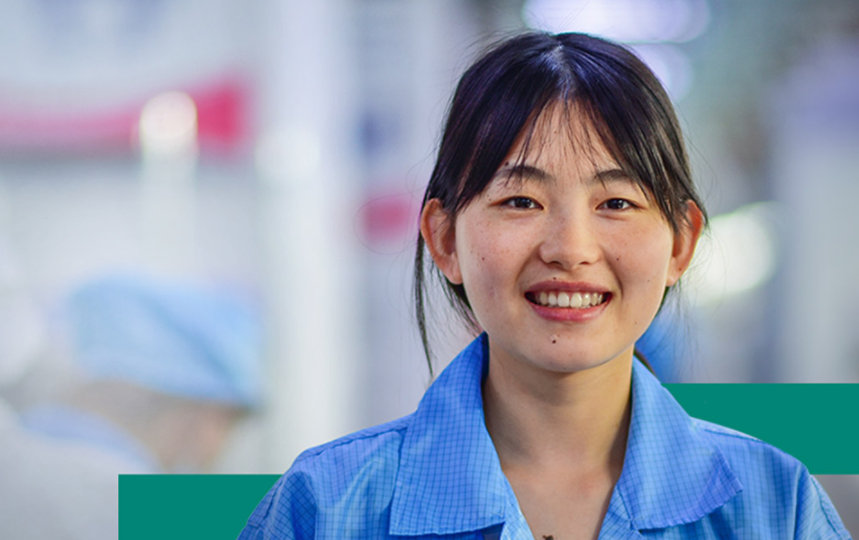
x: 573, y: 361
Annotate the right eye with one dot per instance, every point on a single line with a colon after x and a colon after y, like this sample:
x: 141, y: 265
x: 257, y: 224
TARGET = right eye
x: 521, y: 203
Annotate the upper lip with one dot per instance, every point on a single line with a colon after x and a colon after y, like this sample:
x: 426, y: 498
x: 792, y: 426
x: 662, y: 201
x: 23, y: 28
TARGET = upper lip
x: 566, y: 286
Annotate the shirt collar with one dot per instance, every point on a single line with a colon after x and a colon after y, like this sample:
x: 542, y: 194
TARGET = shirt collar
x: 450, y: 479
x: 672, y: 473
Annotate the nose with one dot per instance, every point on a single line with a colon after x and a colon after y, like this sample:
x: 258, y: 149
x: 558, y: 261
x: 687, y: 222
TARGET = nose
x: 569, y: 240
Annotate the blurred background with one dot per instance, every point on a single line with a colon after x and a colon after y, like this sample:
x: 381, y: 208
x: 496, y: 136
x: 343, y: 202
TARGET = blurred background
x: 208, y: 211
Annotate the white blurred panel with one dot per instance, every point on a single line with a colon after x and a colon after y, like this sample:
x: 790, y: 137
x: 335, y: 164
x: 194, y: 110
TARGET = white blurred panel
x: 816, y: 125
x: 308, y: 187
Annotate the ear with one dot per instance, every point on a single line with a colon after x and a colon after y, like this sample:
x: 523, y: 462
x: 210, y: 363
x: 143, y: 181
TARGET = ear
x: 437, y: 229
x: 685, y: 240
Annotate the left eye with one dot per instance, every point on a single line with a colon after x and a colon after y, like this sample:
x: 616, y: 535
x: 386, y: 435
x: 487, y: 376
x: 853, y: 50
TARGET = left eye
x: 524, y: 203
x: 617, y: 204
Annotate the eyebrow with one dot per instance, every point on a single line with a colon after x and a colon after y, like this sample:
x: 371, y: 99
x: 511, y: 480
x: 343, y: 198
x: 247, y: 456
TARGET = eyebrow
x: 609, y: 175
x: 529, y: 172
x: 522, y: 171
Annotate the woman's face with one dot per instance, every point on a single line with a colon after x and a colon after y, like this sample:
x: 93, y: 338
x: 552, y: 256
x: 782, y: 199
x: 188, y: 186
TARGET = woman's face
x: 563, y: 257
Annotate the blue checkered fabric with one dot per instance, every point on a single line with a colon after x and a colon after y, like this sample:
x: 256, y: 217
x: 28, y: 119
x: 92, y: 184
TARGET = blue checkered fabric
x: 435, y: 474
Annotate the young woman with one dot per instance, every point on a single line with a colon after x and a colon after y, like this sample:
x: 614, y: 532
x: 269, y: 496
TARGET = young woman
x: 560, y: 212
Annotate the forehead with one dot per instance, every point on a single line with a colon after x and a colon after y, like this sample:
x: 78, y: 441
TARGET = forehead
x: 562, y: 134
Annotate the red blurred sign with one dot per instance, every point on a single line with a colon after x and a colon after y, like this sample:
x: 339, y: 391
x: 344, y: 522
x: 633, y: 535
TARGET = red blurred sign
x: 223, y: 113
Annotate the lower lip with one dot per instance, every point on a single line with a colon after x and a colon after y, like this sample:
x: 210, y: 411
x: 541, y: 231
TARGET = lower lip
x: 569, y: 314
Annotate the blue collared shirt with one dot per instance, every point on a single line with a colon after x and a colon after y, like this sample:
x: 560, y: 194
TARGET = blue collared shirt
x: 435, y: 473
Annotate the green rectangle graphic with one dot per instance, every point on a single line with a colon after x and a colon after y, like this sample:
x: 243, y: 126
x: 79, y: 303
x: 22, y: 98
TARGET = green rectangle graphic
x: 816, y: 423
x: 205, y: 506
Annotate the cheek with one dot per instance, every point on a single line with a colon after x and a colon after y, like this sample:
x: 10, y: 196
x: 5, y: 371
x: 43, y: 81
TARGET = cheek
x: 486, y: 262
x: 482, y: 267
x: 644, y: 257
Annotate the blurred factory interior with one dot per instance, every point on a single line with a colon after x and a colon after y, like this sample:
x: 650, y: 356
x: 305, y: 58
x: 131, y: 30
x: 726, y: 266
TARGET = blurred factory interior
x: 251, y: 173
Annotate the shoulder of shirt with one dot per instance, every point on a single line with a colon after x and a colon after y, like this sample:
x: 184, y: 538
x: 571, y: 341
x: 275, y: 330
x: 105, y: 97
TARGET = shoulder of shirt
x: 747, y: 455
x: 321, y: 477
x: 369, y: 439
x: 729, y: 440
x: 750, y: 455
x: 719, y: 431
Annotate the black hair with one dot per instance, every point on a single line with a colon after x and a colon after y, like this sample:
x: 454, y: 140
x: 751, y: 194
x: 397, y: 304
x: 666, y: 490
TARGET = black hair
x: 500, y: 97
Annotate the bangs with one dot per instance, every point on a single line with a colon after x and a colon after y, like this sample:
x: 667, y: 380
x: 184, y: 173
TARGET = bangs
x: 510, y: 113
x: 501, y: 99
x: 587, y: 134
x: 632, y: 114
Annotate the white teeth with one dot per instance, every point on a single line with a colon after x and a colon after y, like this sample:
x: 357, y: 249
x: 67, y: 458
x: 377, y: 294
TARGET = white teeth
x: 563, y: 299
x: 573, y: 300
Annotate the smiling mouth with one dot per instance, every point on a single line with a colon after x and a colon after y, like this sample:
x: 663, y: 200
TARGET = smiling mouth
x: 570, y: 300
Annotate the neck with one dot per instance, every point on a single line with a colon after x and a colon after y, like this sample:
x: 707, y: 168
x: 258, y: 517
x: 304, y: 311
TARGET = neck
x: 556, y: 421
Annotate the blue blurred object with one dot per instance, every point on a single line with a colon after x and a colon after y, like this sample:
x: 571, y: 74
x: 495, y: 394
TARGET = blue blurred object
x: 173, y: 338
x: 664, y: 343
